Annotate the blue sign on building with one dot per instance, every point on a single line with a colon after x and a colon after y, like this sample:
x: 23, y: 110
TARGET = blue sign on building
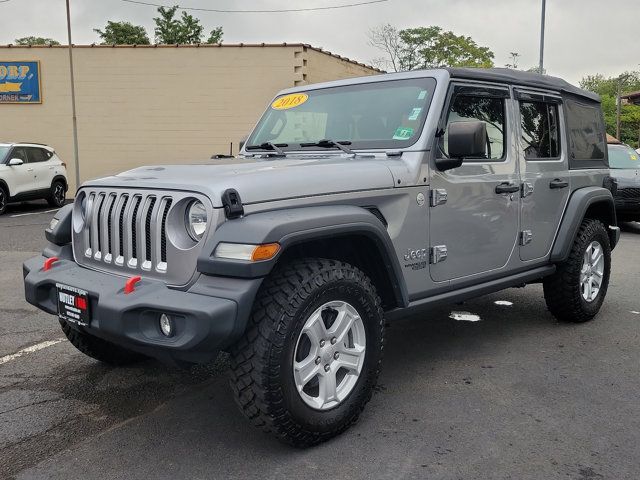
x: 20, y: 82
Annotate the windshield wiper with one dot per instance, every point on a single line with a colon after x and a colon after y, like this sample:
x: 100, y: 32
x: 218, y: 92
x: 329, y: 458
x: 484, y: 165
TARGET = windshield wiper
x: 328, y: 143
x: 269, y: 146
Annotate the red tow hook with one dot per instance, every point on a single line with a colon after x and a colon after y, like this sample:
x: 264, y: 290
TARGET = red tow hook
x: 48, y: 263
x: 130, y: 286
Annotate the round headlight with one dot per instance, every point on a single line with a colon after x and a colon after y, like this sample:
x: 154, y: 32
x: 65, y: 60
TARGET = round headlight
x: 196, y: 220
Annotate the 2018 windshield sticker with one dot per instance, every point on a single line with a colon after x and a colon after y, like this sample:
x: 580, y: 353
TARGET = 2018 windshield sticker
x: 403, y: 133
x: 289, y: 101
x: 415, y: 113
x: 633, y: 157
x: 422, y: 95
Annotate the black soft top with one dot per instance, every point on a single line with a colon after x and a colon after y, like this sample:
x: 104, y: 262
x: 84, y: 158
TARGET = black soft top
x: 518, y: 77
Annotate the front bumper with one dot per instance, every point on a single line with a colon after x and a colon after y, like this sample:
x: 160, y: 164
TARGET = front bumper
x: 204, y: 324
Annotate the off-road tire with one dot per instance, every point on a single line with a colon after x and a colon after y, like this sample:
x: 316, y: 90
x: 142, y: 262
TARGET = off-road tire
x: 98, y: 348
x: 4, y: 200
x: 54, y: 199
x: 562, y: 289
x: 261, y: 361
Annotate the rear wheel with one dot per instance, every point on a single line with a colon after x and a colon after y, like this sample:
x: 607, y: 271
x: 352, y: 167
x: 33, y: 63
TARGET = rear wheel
x: 4, y: 199
x: 57, y: 194
x: 98, y: 348
x: 309, y: 360
x: 576, y: 291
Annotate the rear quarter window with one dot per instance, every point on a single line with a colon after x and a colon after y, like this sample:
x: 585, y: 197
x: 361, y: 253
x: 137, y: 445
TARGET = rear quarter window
x: 585, y: 129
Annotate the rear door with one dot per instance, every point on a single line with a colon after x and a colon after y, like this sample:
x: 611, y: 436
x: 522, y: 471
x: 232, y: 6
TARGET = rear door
x: 43, y: 168
x: 543, y: 166
x: 478, y: 223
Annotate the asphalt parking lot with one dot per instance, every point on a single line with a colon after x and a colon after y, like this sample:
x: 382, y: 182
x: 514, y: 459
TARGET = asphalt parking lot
x: 515, y: 395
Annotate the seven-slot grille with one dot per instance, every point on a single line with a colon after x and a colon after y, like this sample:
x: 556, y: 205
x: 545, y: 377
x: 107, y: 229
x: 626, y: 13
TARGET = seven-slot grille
x: 127, y: 229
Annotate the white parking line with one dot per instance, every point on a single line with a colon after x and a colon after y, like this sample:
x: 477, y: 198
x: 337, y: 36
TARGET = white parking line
x: 28, y: 350
x: 32, y: 213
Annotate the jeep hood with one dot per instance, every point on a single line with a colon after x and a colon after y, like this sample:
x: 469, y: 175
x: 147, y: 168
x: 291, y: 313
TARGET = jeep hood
x: 262, y: 180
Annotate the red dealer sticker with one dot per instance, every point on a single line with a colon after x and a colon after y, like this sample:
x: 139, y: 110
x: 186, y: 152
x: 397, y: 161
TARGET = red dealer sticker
x: 73, y: 304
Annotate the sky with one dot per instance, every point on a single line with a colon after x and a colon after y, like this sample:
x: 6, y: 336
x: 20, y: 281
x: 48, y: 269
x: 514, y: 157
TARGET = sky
x: 582, y: 37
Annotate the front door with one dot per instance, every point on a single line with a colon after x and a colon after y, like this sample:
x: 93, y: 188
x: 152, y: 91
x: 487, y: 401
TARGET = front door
x: 20, y: 178
x: 478, y: 223
x: 543, y: 167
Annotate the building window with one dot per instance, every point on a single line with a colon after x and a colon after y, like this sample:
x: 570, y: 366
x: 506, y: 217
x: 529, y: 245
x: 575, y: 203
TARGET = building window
x: 539, y: 130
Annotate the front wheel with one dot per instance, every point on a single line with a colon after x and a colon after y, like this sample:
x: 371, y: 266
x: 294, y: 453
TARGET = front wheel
x: 4, y: 199
x: 576, y: 291
x: 310, y: 358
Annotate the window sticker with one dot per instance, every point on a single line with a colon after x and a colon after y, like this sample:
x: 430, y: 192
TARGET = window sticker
x: 633, y: 157
x: 422, y: 95
x: 289, y: 101
x: 415, y: 113
x: 403, y: 133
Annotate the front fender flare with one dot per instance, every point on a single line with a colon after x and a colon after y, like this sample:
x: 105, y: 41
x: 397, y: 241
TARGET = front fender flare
x: 293, y: 226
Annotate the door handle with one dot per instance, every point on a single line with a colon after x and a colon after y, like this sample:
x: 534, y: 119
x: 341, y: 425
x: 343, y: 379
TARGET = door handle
x: 29, y: 169
x: 558, y: 183
x: 507, y: 187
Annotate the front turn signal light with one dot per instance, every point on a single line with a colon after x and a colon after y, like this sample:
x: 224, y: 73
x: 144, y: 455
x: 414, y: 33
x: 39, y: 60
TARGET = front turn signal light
x: 249, y: 253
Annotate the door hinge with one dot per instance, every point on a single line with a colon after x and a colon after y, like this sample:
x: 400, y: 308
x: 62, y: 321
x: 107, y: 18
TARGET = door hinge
x: 438, y: 254
x: 527, y: 189
x: 525, y: 237
x: 438, y: 196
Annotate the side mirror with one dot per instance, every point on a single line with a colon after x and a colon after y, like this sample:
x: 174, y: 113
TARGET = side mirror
x: 14, y: 162
x: 466, y: 140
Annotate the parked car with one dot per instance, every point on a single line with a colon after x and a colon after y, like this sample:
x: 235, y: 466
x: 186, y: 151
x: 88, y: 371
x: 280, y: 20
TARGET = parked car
x: 31, y: 171
x: 358, y: 202
x: 625, y: 169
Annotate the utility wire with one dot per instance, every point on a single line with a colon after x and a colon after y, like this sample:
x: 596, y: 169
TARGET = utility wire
x: 284, y: 10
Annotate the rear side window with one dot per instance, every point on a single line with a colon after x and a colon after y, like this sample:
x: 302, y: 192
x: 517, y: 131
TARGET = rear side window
x: 539, y: 130
x: 586, y: 135
x: 37, y: 155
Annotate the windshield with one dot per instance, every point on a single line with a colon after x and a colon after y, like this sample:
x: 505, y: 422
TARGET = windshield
x: 387, y: 114
x: 3, y: 152
x: 621, y: 156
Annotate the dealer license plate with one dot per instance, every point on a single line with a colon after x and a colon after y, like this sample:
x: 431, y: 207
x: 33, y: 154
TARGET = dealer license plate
x: 73, y: 304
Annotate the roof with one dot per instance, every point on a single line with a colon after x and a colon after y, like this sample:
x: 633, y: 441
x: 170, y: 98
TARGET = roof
x: 612, y: 140
x: 25, y: 144
x: 207, y: 45
x: 519, y: 77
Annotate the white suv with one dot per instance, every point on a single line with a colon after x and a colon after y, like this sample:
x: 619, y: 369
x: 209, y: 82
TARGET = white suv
x: 30, y: 171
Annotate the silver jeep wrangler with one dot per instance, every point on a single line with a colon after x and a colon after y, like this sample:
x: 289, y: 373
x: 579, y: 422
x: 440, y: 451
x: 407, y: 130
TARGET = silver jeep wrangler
x: 352, y: 203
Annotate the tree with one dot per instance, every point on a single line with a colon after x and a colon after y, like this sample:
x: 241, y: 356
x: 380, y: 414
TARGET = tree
x: 184, y: 30
x: 123, y: 33
x: 215, y: 36
x: 36, y: 41
x: 428, y: 47
x: 607, y: 88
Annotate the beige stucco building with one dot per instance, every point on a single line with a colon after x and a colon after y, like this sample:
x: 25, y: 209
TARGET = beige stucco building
x: 158, y: 104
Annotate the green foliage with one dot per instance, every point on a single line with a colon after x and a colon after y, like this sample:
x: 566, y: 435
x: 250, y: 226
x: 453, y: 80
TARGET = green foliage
x: 36, y: 41
x: 123, y: 33
x: 184, y: 30
x: 428, y: 47
x: 607, y: 88
x: 215, y: 36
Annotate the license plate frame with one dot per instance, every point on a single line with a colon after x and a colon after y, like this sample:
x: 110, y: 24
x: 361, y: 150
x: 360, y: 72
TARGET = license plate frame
x: 73, y: 304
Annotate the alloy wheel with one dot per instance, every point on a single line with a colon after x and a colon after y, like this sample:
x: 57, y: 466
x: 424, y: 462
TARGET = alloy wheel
x: 592, y: 271
x: 329, y: 355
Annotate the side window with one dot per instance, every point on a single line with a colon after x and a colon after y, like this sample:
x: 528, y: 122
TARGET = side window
x: 586, y: 134
x: 490, y: 110
x: 539, y: 130
x: 36, y: 155
x: 19, y: 152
